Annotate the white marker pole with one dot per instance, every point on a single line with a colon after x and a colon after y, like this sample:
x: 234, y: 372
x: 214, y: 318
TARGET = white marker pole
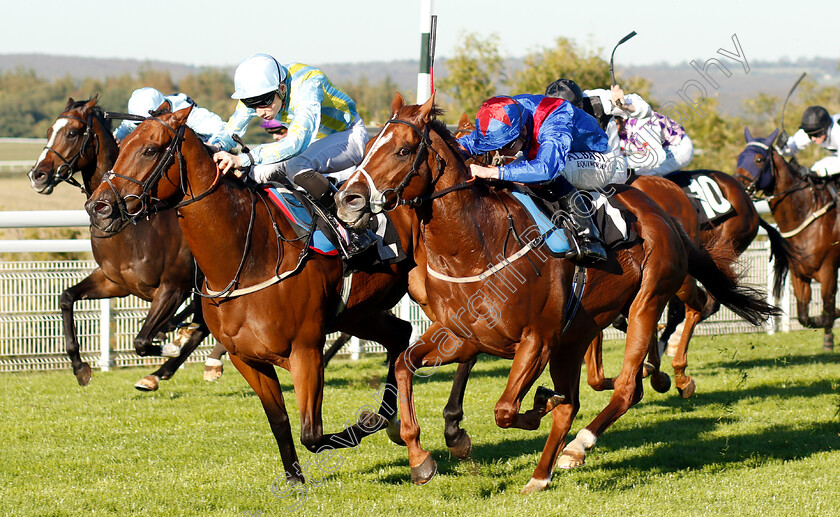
x: 424, y: 90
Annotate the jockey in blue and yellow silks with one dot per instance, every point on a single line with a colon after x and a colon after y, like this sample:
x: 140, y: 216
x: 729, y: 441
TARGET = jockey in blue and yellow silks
x: 325, y: 136
x: 558, y: 145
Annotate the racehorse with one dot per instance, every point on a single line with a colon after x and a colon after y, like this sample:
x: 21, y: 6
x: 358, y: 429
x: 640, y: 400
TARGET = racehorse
x: 471, y: 272
x: 804, y: 207
x: 269, y: 303
x: 81, y: 140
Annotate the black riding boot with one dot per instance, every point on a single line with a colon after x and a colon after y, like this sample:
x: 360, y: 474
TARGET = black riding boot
x: 589, y: 245
x: 320, y: 188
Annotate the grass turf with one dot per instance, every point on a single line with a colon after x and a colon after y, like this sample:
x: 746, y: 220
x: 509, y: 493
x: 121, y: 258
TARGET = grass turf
x: 760, y: 437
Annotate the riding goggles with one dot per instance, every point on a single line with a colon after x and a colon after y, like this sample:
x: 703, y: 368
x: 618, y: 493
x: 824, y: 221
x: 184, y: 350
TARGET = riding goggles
x: 260, y: 101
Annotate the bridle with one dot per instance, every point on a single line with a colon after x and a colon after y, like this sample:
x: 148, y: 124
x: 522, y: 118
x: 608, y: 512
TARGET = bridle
x: 148, y: 203
x: 390, y: 198
x: 65, y: 171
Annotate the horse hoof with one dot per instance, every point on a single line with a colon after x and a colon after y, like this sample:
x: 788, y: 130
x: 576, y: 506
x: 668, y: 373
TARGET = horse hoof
x: 211, y: 373
x: 148, y: 383
x: 371, y: 422
x: 83, y: 375
x: 393, y: 431
x: 660, y: 382
x: 461, y: 446
x: 535, y: 485
x: 648, y: 369
x: 688, y: 390
x: 570, y: 459
x: 170, y: 350
x: 423, y: 473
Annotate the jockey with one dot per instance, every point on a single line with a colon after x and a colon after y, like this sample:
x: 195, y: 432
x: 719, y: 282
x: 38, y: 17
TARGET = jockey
x: 653, y: 143
x: 820, y: 128
x: 325, y: 132
x: 570, y: 91
x: 207, y: 125
x: 560, y: 146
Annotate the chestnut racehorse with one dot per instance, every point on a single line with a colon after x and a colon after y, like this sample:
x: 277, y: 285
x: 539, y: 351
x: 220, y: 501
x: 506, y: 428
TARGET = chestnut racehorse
x: 266, y: 301
x: 80, y: 140
x: 805, y: 208
x: 473, y: 268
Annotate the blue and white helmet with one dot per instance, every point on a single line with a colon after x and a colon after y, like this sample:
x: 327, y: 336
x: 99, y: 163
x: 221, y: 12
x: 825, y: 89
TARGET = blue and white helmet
x: 143, y: 100
x: 257, y: 75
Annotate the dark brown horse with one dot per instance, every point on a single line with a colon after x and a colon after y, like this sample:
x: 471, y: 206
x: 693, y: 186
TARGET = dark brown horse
x: 266, y: 301
x: 474, y: 271
x: 805, y: 208
x: 80, y: 140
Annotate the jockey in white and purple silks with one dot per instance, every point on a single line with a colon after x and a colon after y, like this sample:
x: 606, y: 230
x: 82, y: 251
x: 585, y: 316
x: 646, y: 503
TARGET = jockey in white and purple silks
x: 558, y: 145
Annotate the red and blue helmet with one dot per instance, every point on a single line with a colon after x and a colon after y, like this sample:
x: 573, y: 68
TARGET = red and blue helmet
x: 498, y: 122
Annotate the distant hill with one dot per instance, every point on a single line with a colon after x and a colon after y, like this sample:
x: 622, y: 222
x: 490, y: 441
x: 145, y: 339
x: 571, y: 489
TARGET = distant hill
x: 773, y: 78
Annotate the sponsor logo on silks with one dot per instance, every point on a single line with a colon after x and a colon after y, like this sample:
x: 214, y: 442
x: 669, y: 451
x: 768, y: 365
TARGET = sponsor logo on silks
x: 710, y: 196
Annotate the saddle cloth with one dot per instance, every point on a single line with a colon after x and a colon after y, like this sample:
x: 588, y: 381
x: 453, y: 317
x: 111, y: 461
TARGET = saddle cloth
x: 611, y: 218
x: 297, y: 209
x: 709, y: 202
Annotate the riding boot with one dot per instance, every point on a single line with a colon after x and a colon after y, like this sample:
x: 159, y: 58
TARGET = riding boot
x: 589, y: 245
x: 322, y: 190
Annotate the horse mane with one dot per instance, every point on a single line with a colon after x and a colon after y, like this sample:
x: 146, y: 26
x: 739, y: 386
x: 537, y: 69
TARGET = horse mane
x: 98, y: 112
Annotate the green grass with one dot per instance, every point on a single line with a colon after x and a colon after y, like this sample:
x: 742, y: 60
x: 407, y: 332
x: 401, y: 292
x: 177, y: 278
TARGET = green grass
x: 760, y: 437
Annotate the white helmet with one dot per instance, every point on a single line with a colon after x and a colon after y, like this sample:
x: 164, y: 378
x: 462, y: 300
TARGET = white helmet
x: 143, y: 100
x: 257, y: 75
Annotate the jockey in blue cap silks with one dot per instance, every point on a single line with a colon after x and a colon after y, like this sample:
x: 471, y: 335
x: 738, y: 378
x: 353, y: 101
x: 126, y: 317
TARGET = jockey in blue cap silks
x: 561, y: 146
x: 325, y: 133
x: 207, y: 125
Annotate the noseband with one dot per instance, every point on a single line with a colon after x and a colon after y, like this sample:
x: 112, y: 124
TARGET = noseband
x: 69, y: 166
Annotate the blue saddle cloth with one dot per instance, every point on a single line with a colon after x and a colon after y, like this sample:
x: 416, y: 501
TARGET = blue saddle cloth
x: 301, y: 218
x: 555, y: 238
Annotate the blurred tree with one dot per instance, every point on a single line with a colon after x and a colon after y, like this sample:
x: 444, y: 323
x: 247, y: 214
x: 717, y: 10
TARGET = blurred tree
x: 473, y: 74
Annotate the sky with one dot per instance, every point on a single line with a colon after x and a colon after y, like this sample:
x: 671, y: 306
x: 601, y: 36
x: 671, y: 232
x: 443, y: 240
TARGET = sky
x: 213, y: 33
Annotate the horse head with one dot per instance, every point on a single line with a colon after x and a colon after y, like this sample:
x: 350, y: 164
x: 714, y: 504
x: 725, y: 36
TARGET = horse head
x: 73, y: 144
x: 755, y: 163
x: 465, y: 126
x: 398, y: 169
x: 149, y: 170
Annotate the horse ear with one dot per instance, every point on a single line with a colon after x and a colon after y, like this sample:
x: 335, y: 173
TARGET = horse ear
x: 179, y: 117
x: 464, y: 121
x: 426, y: 109
x: 747, y: 136
x: 397, y: 103
x: 70, y: 102
x: 89, y: 105
x: 164, y: 107
x: 772, y: 138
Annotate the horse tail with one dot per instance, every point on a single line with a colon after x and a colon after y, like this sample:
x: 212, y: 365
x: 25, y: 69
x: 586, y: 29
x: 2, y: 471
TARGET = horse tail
x: 782, y: 253
x: 712, y: 268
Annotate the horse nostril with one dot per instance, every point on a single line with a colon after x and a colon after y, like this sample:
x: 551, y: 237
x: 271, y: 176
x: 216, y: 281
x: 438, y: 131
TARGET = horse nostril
x: 355, y: 201
x: 102, y: 208
x: 38, y: 175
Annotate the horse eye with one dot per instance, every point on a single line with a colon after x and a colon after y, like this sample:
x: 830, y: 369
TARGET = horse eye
x: 150, y: 151
x: 72, y: 133
x: 404, y: 151
x: 759, y: 159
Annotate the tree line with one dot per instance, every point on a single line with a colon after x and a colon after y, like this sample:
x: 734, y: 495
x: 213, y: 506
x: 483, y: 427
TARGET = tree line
x: 476, y: 72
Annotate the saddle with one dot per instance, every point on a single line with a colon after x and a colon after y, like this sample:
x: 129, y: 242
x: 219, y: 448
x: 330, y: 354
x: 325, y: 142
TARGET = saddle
x: 611, y: 217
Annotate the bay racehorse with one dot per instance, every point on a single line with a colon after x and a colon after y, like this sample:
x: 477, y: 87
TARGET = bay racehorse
x: 473, y: 274
x: 269, y: 303
x: 150, y: 259
x: 805, y: 208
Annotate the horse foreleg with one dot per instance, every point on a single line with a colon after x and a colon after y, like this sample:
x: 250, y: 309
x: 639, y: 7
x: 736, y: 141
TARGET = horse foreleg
x: 457, y: 439
x: 697, y: 303
x: 530, y: 359
x: 675, y: 316
x: 595, y: 376
x: 263, y: 380
x: 565, y: 374
x: 96, y: 286
x: 802, y: 292
x: 171, y: 365
x: 163, y: 308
